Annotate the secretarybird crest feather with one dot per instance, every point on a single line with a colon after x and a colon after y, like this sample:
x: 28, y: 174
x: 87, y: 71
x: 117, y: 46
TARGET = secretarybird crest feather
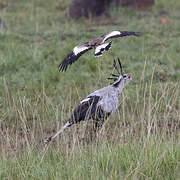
x: 98, y: 43
x: 99, y: 104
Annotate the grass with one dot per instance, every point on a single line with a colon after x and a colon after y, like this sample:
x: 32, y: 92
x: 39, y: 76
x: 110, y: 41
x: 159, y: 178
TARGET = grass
x: 141, y: 140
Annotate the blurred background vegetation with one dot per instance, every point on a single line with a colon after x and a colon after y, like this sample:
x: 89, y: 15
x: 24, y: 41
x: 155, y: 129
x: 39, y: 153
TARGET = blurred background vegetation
x: 79, y: 8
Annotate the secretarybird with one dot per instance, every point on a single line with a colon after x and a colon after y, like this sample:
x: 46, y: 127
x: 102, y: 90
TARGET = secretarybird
x: 100, y: 104
x: 98, y: 43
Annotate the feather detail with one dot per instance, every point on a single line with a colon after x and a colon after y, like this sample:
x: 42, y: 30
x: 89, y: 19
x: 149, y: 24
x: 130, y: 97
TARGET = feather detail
x: 84, y: 100
x: 101, y: 48
x: 73, y: 56
x: 116, y: 34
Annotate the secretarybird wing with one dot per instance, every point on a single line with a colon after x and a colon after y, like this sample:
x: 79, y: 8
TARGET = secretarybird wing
x: 73, y: 56
x: 116, y: 34
x: 86, y: 110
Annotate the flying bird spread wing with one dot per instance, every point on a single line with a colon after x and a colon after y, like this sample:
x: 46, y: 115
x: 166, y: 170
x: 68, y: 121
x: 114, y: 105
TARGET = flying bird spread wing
x: 116, y: 34
x: 101, y: 48
x: 73, y: 56
x: 97, y: 43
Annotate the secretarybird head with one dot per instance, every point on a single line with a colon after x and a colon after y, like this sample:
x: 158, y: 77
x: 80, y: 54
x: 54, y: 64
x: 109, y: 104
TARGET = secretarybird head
x: 99, y: 104
x: 120, y: 79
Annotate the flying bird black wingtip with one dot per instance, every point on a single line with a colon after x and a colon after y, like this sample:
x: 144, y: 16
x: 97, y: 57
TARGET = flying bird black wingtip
x: 62, y: 67
x: 137, y: 33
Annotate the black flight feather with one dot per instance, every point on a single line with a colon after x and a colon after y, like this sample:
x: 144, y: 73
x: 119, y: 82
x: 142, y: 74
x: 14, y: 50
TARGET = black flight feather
x: 71, y: 58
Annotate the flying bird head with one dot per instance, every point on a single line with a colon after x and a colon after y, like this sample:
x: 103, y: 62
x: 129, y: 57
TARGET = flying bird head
x: 120, y: 79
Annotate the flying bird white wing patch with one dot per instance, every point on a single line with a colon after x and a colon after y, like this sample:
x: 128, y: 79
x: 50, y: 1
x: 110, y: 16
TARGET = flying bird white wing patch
x: 101, y: 48
x: 79, y: 49
x: 73, y: 56
x: 111, y: 34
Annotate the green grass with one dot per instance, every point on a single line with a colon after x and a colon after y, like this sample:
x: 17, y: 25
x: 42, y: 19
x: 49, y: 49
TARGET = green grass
x: 141, y: 140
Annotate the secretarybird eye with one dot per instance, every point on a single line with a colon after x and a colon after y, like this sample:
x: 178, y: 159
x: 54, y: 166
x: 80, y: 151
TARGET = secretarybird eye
x: 126, y: 76
x: 129, y: 76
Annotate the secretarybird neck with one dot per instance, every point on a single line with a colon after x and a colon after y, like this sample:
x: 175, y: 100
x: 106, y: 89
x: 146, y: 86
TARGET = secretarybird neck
x: 108, y: 91
x: 118, y: 89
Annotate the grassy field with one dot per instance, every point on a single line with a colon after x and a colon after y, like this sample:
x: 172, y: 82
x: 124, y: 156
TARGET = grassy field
x: 142, y: 139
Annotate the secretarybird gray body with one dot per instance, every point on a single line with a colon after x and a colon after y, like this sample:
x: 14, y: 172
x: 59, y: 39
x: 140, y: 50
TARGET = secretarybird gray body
x: 98, y: 43
x: 99, y: 104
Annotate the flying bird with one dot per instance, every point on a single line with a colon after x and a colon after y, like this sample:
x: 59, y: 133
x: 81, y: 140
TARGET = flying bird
x: 100, y: 104
x: 98, y: 43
